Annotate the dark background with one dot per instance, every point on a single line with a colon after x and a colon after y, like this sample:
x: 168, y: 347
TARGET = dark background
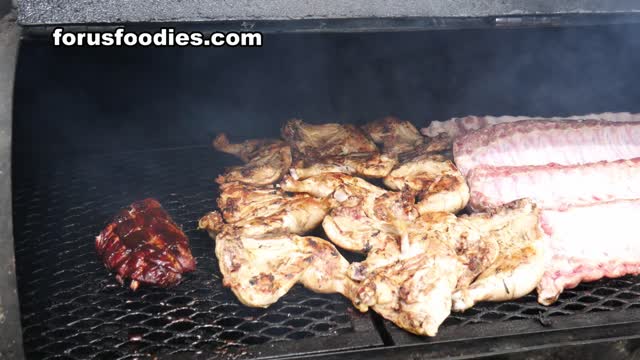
x: 94, y: 100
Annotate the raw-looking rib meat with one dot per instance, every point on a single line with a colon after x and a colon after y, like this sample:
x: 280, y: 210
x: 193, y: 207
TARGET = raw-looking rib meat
x: 565, y: 142
x: 555, y: 186
x: 588, y: 243
x: 143, y: 243
x: 455, y: 127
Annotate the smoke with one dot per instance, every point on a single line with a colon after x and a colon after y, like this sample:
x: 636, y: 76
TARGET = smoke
x: 88, y: 100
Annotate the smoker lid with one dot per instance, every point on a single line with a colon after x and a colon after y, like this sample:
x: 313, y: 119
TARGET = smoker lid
x: 53, y: 12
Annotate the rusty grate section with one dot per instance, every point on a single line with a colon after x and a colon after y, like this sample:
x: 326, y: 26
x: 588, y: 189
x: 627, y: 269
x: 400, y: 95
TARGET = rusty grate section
x: 73, y: 308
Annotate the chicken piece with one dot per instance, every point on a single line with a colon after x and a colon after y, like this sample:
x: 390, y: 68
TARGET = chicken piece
x: 245, y: 150
x: 324, y: 185
x: 433, y: 147
x: 266, y: 210
x: 520, y: 263
x: 370, y: 165
x: 437, y: 183
x: 412, y: 282
x: 414, y: 293
x: 394, y: 135
x: 334, y: 148
x: 364, y: 215
x: 310, y: 141
x: 144, y: 244
x: 261, y: 269
x: 266, y: 161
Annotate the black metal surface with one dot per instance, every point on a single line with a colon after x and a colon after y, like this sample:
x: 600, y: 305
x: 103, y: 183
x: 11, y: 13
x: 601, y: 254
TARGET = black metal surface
x: 72, y: 306
x: 51, y: 12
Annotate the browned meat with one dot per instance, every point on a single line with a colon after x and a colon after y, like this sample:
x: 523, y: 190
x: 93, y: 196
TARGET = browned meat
x: 369, y: 165
x: 412, y: 279
x: 265, y: 160
x: 363, y: 213
x: 261, y: 269
x: 436, y: 181
x: 310, y: 141
x: 262, y: 210
x: 334, y: 148
x: 394, y: 135
x: 143, y: 243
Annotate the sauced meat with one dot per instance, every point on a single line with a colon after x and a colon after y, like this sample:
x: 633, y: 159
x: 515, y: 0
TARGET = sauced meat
x: 143, y: 244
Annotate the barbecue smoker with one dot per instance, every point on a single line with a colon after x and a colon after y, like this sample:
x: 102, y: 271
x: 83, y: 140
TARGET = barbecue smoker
x: 94, y: 129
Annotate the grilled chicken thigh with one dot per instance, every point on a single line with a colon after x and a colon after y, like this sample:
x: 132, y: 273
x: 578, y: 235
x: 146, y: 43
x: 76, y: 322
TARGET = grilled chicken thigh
x: 437, y: 183
x: 265, y: 160
x: 370, y: 165
x: 310, y: 141
x: 265, y: 210
x: 334, y: 148
x: 261, y: 269
x: 324, y: 185
x: 394, y: 135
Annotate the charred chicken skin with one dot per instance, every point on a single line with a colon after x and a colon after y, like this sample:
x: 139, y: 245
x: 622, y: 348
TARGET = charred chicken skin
x: 143, y: 243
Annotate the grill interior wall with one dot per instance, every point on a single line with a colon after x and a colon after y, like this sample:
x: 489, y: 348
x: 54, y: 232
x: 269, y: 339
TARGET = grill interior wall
x: 95, y: 129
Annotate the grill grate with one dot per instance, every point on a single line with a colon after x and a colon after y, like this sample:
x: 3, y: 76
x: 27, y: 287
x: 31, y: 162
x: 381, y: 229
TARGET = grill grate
x: 604, y: 295
x: 72, y: 308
